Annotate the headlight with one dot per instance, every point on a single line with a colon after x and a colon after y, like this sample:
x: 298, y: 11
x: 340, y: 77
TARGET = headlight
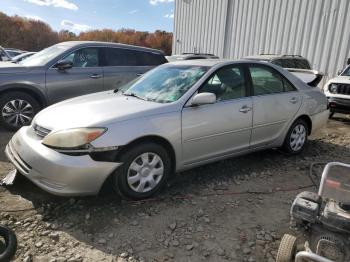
x: 332, y: 88
x: 73, y: 138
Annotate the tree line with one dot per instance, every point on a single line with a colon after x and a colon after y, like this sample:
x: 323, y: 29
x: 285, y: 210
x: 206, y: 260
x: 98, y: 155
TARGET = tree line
x: 33, y: 35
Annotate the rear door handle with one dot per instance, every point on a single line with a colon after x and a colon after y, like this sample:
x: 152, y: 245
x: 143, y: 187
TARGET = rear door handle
x: 293, y: 100
x: 245, y: 109
x: 95, y: 76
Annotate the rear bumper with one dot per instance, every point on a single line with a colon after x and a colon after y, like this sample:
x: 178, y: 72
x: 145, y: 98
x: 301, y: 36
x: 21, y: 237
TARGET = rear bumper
x: 339, y: 105
x: 319, y: 121
x: 55, y: 172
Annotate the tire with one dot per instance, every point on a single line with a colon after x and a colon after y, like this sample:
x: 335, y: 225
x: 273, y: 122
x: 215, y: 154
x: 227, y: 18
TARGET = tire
x: 25, y: 103
x: 287, y: 249
x: 10, y: 243
x: 296, y: 138
x: 148, y: 180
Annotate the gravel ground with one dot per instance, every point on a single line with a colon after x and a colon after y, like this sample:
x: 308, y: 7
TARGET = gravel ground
x: 233, y: 210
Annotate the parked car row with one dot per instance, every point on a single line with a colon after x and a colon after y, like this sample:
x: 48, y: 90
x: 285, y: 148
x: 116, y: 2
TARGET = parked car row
x: 148, y: 126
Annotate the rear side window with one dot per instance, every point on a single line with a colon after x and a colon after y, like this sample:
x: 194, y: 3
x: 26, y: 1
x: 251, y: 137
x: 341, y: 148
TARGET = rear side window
x: 302, y: 64
x: 268, y: 81
x: 129, y: 57
x: 120, y: 57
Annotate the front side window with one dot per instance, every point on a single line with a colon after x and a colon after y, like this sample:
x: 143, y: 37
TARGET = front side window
x: 346, y: 72
x: 165, y: 84
x: 265, y: 81
x: 85, y: 57
x: 302, y: 64
x: 288, y: 63
x: 227, y: 83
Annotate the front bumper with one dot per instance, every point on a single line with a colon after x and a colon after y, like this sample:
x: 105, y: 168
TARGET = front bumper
x: 54, y: 172
x: 339, y: 105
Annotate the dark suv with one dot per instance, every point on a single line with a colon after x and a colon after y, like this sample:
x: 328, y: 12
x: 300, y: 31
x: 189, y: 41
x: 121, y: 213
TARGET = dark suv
x: 286, y: 61
x: 67, y: 70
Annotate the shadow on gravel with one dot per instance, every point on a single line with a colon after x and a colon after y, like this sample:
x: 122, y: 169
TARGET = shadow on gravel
x: 92, y: 219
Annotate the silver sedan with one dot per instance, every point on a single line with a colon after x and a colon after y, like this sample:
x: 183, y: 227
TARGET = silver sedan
x: 175, y: 117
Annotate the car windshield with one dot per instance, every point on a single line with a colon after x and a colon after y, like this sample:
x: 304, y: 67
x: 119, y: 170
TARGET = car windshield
x: 346, y: 72
x: 166, y: 84
x: 41, y: 58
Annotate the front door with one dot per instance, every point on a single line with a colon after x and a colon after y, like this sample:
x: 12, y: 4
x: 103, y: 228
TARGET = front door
x: 86, y: 76
x: 222, y: 128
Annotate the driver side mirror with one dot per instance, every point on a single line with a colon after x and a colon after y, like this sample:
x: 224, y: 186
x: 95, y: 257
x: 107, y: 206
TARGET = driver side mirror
x: 64, y: 65
x: 203, y: 99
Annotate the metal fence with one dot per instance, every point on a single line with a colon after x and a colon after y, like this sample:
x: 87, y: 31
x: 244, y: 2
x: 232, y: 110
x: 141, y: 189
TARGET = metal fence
x: 316, y: 29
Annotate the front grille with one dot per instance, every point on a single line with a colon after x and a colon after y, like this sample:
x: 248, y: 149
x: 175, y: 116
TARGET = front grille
x: 343, y: 89
x: 41, y: 131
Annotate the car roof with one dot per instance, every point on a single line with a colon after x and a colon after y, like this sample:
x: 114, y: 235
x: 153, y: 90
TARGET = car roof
x: 109, y: 44
x: 213, y: 62
x: 269, y: 57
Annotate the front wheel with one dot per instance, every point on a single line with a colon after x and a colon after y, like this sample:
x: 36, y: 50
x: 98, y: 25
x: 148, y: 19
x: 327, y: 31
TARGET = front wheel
x: 145, y: 170
x: 296, y: 138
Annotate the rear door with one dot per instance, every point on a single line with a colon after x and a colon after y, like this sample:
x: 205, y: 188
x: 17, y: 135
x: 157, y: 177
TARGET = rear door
x: 86, y: 76
x: 122, y: 65
x: 275, y: 102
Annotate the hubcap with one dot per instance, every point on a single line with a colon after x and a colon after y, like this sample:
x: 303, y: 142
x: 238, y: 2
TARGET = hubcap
x: 17, y: 112
x: 145, y: 172
x: 297, y: 138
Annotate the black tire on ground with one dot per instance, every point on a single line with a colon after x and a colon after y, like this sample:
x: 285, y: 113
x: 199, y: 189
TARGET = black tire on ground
x: 287, y: 249
x: 10, y: 243
x: 7, y: 97
x: 120, y: 176
x: 287, y: 144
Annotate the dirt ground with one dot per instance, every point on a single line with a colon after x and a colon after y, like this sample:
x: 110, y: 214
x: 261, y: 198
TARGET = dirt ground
x: 233, y: 210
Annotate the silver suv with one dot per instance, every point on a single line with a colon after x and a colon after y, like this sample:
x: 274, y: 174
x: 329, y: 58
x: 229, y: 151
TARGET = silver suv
x: 67, y: 70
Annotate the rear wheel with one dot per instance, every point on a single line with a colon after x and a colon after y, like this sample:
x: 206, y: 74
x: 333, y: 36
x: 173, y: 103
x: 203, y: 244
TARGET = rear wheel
x: 287, y: 248
x: 296, y: 137
x: 17, y: 109
x: 145, y: 169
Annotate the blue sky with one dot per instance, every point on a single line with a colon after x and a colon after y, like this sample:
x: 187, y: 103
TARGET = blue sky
x: 82, y: 15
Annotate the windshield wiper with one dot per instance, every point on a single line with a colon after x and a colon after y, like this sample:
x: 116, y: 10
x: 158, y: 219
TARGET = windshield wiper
x: 134, y: 95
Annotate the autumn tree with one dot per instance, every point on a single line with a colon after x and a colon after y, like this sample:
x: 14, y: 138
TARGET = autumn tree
x: 34, y: 35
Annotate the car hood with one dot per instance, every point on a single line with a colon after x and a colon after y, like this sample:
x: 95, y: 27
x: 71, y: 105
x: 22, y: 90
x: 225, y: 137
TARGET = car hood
x: 340, y: 79
x: 12, y: 68
x: 99, y: 109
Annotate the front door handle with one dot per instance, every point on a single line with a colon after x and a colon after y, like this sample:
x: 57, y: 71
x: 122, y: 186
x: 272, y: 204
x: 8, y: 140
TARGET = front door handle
x: 293, y: 100
x: 139, y: 74
x: 245, y: 109
x: 95, y: 76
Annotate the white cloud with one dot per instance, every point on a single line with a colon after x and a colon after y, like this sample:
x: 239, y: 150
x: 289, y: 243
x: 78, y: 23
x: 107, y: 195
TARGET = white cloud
x: 169, y: 16
x: 55, y: 3
x: 66, y: 24
x: 34, y: 17
x: 156, y: 2
x: 134, y: 11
